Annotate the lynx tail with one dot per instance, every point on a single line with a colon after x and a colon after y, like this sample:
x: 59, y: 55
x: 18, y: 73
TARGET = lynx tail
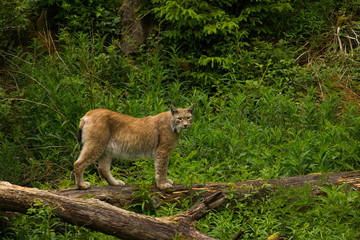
x: 81, y: 125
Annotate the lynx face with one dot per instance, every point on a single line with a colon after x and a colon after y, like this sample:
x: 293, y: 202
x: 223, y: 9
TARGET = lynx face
x: 181, y: 118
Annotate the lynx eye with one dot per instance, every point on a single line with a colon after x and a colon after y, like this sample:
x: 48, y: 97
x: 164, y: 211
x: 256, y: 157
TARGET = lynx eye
x: 179, y: 119
x: 188, y: 118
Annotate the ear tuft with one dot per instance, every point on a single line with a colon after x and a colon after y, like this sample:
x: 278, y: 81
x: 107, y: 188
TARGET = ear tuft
x: 191, y: 108
x: 173, y: 110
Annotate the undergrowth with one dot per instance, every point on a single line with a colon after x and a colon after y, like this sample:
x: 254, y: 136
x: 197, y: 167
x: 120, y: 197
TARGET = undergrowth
x: 292, y: 212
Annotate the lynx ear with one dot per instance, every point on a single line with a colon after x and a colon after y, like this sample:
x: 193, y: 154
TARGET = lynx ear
x: 173, y: 110
x: 191, y: 108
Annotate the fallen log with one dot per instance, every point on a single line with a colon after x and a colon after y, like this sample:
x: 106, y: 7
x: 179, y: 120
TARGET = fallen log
x: 75, y: 207
x: 111, y: 220
x: 122, y: 196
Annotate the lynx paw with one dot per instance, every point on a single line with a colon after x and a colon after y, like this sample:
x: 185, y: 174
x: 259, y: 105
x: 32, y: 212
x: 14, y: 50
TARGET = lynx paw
x: 83, y: 185
x: 168, y: 184
x: 164, y: 186
x: 117, y: 183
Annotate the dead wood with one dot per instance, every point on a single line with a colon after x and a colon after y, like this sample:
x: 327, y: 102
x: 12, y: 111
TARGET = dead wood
x: 75, y: 207
x: 124, y: 195
x: 103, y: 217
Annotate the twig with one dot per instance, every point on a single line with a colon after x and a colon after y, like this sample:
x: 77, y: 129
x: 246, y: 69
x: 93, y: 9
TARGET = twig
x: 32, y: 78
x: 239, y: 234
x: 300, y: 56
x: 338, y: 37
x: 38, y: 103
x: 198, y: 211
x: 56, y: 51
x: 356, y: 36
x: 12, y: 55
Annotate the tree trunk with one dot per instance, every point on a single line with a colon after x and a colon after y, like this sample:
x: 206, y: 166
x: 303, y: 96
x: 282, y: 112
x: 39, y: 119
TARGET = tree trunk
x: 134, y: 29
x: 103, y: 217
x: 122, y: 196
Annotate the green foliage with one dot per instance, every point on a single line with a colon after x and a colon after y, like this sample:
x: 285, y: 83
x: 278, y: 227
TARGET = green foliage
x: 51, y: 98
x: 14, y: 24
x: 207, y: 19
x: 333, y: 216
x: 212, y: 33
x: 83, y: 16
x: 41, y: 223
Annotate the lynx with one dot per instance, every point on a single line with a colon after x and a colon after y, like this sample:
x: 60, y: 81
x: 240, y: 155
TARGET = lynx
x: 106, y: 135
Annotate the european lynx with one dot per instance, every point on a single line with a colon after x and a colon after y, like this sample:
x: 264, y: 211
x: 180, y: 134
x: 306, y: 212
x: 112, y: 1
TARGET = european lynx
x: 106, y: 134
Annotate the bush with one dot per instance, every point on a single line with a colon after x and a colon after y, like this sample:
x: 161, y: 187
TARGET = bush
x: 81, y: 16
x: 14, y: 24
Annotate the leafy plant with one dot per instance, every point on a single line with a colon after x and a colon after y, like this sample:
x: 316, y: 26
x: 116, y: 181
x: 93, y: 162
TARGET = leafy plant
x: 81, y: 16
x: 41, y: 223
x: 304, y: 217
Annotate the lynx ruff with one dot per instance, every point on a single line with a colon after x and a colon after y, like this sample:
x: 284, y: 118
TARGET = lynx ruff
x: 106, y: 135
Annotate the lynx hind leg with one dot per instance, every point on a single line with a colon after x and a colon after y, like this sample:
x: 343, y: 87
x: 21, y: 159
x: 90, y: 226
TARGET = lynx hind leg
x: 104, y: 170
x: 87, y: 156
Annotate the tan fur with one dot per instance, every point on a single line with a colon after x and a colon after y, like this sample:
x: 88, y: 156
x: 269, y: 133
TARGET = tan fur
x: 106, y: 135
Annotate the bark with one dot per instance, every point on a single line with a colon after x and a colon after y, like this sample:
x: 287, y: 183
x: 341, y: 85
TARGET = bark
x: 103, y: 217
x: 134, y: 29
x: 122, y: 196
x: 75, y: 207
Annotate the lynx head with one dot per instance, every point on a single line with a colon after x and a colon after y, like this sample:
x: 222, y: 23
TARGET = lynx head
x: 181, y: 118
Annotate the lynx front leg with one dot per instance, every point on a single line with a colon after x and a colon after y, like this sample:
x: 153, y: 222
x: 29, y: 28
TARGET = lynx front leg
x: 104, y: 170
x: 161, y: 168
